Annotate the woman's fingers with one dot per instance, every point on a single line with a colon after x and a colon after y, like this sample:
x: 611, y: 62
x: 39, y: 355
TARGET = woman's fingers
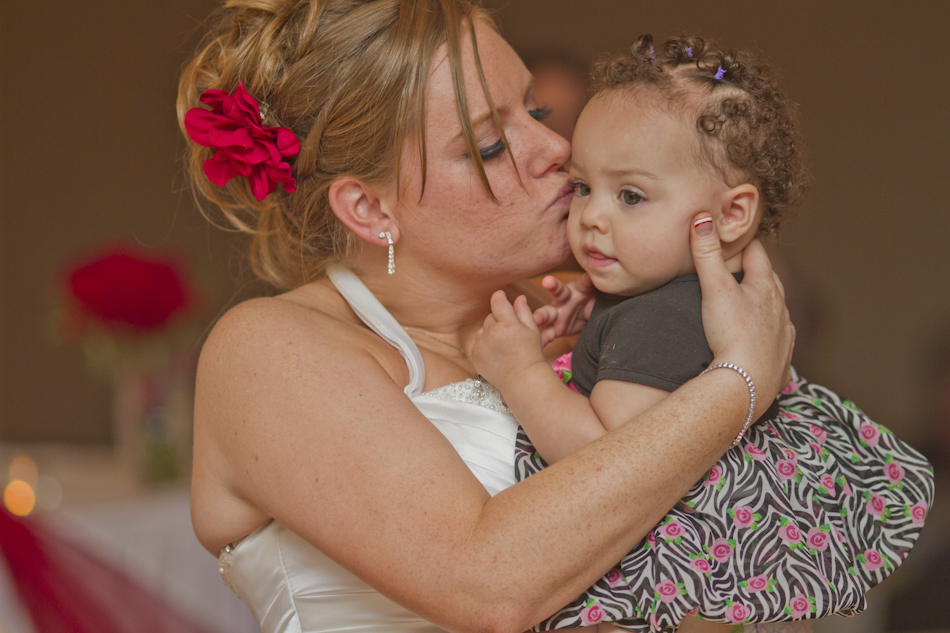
x: 755, y: 261
x: 707, y: 254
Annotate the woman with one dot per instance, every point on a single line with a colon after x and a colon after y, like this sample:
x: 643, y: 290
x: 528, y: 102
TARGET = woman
x: 417, y: 122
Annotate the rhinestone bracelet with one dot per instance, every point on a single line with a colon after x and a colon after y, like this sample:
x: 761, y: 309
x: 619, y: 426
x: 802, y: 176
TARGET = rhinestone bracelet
x: 748, y: 380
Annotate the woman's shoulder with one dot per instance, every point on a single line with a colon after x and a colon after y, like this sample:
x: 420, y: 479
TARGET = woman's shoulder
x: 273, y: 372
x: 312, y: 320
x: 272, y: 344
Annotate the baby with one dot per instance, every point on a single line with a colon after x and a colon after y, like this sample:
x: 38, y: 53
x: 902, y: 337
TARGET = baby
x: 815, y: 503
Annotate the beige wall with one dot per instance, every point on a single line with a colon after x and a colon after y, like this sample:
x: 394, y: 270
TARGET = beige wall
x: 90, y: 153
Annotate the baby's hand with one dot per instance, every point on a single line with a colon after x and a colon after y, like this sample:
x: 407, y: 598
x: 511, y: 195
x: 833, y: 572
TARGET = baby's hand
x: 508, y: 343
x: 571, y: 308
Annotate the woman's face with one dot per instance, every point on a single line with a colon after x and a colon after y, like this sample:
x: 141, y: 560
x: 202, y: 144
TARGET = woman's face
x: 456, y: 227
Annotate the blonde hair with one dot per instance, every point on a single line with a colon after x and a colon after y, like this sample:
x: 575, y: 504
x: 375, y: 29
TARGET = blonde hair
x: 348, y: 77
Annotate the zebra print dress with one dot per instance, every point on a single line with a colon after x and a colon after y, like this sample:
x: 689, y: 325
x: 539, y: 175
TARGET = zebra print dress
x: 813, y: 508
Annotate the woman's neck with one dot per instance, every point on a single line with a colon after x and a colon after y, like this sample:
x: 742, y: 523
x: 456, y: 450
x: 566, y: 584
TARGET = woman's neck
x: 431, y: 301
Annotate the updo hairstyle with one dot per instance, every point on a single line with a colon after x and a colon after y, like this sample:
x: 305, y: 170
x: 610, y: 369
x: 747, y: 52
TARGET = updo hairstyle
x: 348, y: 78
x: 747, y: 129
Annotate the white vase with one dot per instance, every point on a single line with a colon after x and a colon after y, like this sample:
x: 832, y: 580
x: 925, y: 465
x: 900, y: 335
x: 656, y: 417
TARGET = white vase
x: 152, y: 418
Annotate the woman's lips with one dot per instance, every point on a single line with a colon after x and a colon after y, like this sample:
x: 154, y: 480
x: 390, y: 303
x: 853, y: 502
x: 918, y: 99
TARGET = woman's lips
x: 564, y: 196
x: 596, y: 259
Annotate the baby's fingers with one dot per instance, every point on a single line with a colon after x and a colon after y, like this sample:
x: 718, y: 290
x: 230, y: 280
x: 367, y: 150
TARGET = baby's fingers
x: 501, y: 308
x: 545, y: 315
x: 523, y: 312
x: 558, y: 289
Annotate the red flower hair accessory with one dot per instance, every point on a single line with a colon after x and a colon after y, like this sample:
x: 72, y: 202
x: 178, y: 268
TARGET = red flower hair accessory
x: 243, y: 145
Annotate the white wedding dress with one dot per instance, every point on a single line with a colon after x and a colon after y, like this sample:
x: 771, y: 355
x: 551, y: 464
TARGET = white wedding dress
x: 289, y: 585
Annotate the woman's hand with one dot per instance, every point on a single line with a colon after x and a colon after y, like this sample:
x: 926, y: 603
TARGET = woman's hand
x: 746, y: 324
x: 508, y: 343
x: 568, y: 314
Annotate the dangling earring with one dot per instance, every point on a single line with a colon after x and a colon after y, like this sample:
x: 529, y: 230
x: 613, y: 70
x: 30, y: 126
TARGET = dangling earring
x: 392, y: 260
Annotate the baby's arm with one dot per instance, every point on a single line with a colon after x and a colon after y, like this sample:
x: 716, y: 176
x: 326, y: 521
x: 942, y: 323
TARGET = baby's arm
x: 559, y: 421
x: 508, y: 354
x: 615, y: 402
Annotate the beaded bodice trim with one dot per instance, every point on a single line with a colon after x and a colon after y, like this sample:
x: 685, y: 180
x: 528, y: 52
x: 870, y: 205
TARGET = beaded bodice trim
x: 224, y: 565
x: 477, y: 391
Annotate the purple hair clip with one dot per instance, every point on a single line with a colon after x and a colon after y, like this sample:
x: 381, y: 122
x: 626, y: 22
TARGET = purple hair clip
x: 720, y: 73
x: 689, y: 52
x: 652, y: 56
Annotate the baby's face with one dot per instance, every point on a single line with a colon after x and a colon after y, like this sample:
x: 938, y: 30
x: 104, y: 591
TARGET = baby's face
x: 637, y: 187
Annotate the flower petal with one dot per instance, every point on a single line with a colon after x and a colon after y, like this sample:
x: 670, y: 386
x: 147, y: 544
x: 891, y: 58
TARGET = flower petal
x: 230, y: 136
x: 220, y: 169
x: 287, y: 142
x: 214, y: 98
x: 258, y: 181
x: 198, y: 122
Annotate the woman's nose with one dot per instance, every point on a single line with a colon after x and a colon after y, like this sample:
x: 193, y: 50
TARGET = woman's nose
x: 554, y: 151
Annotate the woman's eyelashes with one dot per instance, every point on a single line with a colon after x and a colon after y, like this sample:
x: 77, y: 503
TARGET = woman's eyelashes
x: 540, y: 114
x: 498, y: 147
x: 493, y: 150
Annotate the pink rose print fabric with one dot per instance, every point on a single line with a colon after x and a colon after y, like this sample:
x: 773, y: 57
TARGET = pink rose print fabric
x: 817, y: 506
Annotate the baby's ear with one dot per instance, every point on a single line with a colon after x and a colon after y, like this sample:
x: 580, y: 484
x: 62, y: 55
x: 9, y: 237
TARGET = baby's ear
x: 739, y: 213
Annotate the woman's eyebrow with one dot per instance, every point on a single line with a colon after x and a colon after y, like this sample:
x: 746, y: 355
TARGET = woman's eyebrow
x: 482, y: 118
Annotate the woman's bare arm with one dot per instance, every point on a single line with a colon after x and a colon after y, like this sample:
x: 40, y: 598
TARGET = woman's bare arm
x: 315, y: 432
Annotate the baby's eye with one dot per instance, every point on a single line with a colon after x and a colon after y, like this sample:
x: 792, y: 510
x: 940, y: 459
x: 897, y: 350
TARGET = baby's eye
x: 581, y: 188
x: 631, y: 198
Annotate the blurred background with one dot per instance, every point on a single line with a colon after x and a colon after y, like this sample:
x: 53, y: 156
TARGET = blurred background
x: 91, y: 172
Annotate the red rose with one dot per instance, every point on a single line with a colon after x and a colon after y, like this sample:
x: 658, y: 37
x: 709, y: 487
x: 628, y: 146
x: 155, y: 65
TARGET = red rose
x: 667, y: 591
x: 876, y: 505
x: 701, y: 565
x: 894, y: 472
x: 828, y: 483
x: 757, y: 583
x: 742, y: 516
x: 721, y: 549
x: 244, y: 146
x: 790, y: 534
x: 713, y: 476
x: 592, y: 615
x: 124, y: 288
x: 614, y: 577
x: 870, y: 434
x: 738, y: 613
x: 671, y: 530
x: 918, y: 512
x: 800, y: 605
x: 786, y: 469
x: 754, y: 452
x: 817, y: 539
x: 873, y: 560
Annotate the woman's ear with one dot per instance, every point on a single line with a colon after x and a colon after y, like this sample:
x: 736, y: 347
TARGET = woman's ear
x: 363, y: 209
x: 739, y: 213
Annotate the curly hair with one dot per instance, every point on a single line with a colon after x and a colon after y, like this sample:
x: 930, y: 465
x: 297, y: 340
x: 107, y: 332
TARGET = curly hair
x: 348, y: 77
x: 746, y: 127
